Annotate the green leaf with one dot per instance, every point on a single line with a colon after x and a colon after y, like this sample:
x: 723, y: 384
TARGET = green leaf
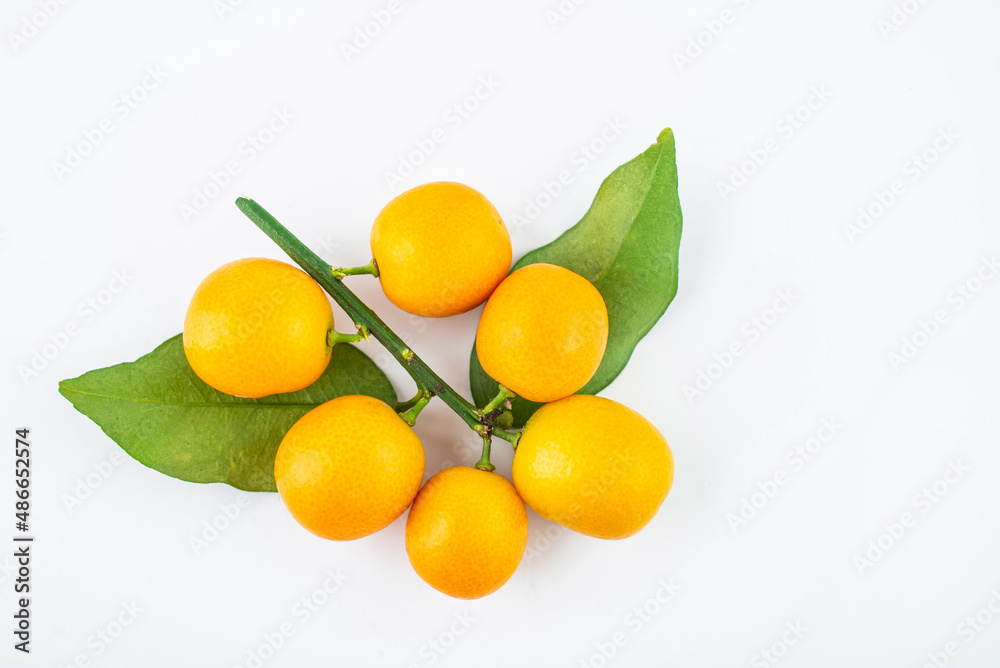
x: 627, y: 246
x: 163, y: 415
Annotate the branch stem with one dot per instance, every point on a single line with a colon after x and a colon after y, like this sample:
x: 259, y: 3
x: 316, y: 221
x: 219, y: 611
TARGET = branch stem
x: 363, y: 316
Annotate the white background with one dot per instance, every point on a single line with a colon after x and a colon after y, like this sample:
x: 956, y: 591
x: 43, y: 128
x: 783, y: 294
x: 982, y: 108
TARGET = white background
x: 558, y: 85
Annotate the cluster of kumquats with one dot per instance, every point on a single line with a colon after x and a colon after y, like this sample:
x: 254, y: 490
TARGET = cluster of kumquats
x: 353, y: 465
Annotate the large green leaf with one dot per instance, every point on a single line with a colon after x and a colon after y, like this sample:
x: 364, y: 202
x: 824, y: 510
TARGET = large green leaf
x: 163, y: 415
x: 626, y: 245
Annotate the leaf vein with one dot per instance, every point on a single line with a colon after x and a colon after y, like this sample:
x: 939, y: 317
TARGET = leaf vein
x: 186, y: 404
x: 645, y: 195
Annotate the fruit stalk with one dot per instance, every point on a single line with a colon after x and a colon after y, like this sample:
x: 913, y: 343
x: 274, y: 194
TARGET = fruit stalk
x: 484, y: 463
x: 371, y: 269
x: 409, y: 416
x: 510, y: 437
x: 502, y: 399
x: 333, y: 338
x: 324, y: 274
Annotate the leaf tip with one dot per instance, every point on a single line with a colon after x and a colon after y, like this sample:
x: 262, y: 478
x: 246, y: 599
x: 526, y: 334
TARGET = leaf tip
x: 64, y: 388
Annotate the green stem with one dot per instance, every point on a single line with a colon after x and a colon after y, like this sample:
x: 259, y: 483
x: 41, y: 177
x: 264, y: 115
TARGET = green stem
x: 510, y: 437
x: 484, y: 463
x: 333, y: 338
x: 404, y: 406
x: 363, y: 316
x: 421, y: 400
x: 339, y: 272
x: 498, y: 401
